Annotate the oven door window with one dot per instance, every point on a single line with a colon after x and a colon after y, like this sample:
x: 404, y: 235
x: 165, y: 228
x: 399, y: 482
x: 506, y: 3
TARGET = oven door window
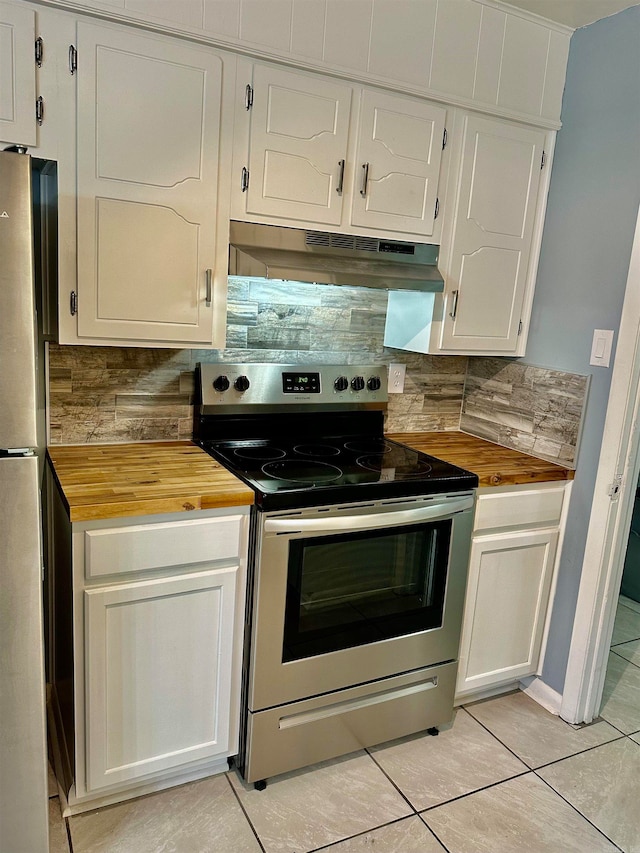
x: 357, y: 588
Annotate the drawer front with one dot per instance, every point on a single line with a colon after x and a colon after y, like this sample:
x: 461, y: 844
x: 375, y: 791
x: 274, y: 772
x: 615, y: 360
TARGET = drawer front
x: 142, y: 547
x: 528, y: 508
x: 302, y: 733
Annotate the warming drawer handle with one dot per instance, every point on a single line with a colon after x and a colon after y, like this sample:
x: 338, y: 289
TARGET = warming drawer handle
x: 436, y: 512
x: 337, y: 708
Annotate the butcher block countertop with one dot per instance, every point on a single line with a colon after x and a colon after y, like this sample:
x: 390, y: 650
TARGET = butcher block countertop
x: 119, y: 480
x: 494, y: 465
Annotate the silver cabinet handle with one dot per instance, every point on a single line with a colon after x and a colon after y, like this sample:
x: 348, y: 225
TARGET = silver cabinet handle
x: 340, y: 177
x: 365, y: 178
x: 208, y: 277
x: 454, y: 306
x: 244, y: 181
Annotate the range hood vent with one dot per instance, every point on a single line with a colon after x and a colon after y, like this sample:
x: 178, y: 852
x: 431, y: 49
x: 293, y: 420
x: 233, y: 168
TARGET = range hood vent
x: 341, y: 241
x: 271, y: 251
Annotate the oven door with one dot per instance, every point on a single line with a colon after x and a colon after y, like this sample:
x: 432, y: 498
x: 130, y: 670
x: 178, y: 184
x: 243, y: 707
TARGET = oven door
x: 348, y: 595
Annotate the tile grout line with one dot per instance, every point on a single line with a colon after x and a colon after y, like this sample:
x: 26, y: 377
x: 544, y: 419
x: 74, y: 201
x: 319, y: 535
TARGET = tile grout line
x: 555, y: 760
x: 364, y: 832
x: 622, y: 657
x: 68, y: 828
x: 435, y: 834
x: 475, y: 791
x: 244, y: 812
x: 348, y: 837
x: 622, y: 736
x: 495, y: 737
x: 577, y: 810
x: 386, y: 775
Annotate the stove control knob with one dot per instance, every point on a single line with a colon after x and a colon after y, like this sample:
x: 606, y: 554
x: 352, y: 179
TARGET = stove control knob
x: 373, y: 383
x: 241, y: 384
x: 341, y: 383
x: 357, y: 383
x: 221, y: 383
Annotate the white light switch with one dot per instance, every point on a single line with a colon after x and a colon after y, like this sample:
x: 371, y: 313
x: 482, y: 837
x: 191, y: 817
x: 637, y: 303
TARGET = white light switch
x: 601, y: 347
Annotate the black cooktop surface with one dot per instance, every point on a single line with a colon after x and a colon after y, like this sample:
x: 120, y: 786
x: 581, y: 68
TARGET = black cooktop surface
x: 287, y: 472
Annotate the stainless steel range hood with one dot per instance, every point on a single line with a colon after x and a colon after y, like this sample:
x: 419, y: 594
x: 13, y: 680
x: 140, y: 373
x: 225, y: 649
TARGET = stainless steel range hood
x: 271, y: 251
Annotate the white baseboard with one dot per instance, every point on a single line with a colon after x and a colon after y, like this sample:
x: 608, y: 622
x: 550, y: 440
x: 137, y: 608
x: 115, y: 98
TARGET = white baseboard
x: 486, y: 693
x: 541, y: 693
x: 73, y: 805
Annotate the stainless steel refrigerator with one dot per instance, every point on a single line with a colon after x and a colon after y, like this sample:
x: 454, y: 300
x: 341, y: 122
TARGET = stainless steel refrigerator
x: 23, y: 753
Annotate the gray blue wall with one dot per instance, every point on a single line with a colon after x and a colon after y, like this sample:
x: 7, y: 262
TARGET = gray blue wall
x: 589, y: 228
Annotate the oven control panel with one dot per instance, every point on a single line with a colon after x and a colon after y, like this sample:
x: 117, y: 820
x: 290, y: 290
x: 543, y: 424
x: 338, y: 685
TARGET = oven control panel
x: 300, y: 382
x: 229, y: 384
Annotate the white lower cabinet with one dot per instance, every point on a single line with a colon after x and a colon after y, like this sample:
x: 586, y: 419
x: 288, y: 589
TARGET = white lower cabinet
x: 158, y: 659
x: 148, y: 626
x: 511, y: 571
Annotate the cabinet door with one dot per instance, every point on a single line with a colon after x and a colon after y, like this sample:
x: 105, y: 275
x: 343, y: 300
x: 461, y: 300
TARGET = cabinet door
x: 505, y: 608
x: 298, y: 140
x: 492, y: 235
x: 397, y: 164
x: 148, y: 132
x: 17, y: 74
x: 158, y: 674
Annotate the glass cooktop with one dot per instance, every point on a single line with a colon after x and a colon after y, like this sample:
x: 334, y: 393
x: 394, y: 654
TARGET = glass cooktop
x: 288, y: 472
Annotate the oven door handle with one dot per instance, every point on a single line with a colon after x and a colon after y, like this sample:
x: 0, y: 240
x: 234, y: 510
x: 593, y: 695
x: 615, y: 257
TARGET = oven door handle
x: 437, y: 512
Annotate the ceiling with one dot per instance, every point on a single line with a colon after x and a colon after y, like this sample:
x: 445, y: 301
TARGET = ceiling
x: 574, y: 13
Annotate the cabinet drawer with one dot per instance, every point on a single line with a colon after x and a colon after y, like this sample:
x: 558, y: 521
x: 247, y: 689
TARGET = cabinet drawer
x: 524, y: 508
x: 141, y: 547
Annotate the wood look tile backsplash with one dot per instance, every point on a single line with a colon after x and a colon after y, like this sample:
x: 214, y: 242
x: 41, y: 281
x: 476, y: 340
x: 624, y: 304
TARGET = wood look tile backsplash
x: 116, y: 394
x: 532, y: 409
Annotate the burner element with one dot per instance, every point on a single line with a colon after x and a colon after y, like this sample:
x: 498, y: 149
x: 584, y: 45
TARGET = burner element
x: 307, y: 472
x: 316, y: 450
x: 369, y: 446
x: 259, y: 453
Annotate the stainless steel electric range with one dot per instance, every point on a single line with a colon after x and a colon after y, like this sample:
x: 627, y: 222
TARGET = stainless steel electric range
x: 358, y: 563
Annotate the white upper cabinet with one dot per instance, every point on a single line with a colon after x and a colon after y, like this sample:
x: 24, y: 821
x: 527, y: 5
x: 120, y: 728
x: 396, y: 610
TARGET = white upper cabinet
x: 397, y: 164
x: 17, y: 75
x: 323, y: 152
x: 490, y: 245
x: 465, y: 52
x: 298, y: 143
x: 148, y: 131
x: 493, y: 227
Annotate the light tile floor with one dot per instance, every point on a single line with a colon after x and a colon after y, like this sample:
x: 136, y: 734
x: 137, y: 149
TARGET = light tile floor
x: 505, y: 777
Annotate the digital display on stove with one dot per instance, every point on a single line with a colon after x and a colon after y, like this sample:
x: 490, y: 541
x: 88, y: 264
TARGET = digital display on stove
x: 301, y: 383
